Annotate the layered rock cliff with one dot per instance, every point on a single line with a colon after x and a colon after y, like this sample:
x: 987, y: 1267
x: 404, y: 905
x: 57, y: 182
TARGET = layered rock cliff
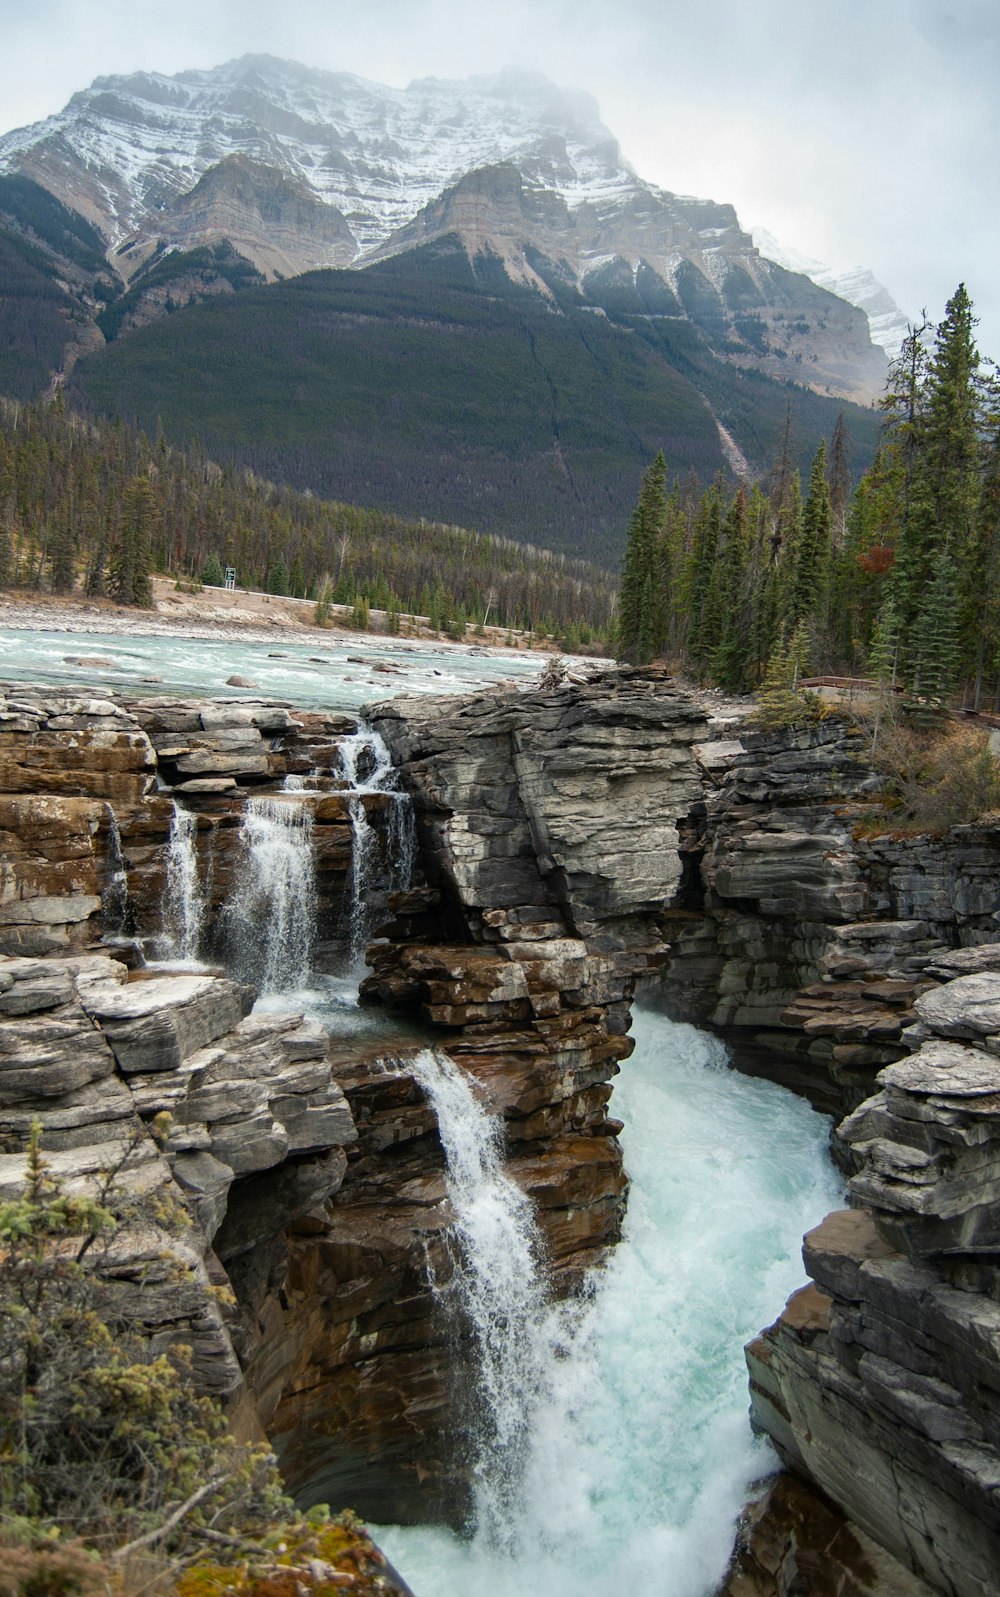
x: 880, y: 1383
x: 312, y: 1166
x: 809, y: 928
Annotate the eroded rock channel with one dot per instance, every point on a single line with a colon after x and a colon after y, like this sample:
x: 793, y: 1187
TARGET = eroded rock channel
x: 568, y: 843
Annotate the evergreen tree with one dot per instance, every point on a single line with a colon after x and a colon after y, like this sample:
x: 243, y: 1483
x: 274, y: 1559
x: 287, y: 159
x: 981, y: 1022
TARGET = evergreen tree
x: 883, y: 661
x: 782, y: 702
x: 212, y: 574
x: 788, y: 542
x: 6, y: 540
x: 642, y: 612
x: 703, y: 629
x: 730, y: 661
x: 62, y: 546
x: 810, y: 568
x: 839, y: 476
x: 986, y: 562
x: 277, y: 578
x: 131, y: 564
x: 935, y: 645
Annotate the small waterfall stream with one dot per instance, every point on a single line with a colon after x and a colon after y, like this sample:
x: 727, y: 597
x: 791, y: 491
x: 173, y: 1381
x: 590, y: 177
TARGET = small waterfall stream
x: 367, y: 768
x: 184, y: 902
x: 498, y: 1288
x: 270, y: 920
x: 115, y: 903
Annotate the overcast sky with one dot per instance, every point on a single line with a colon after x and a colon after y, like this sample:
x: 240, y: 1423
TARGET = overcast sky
x: 862, y: 132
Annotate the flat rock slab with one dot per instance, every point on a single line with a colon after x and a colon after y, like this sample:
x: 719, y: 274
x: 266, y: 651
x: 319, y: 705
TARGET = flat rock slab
x: 154, y: 1025
x: 966, y: 961
x: 834, y: 1251
x: 969, y: 1006
x: 945, y: 1070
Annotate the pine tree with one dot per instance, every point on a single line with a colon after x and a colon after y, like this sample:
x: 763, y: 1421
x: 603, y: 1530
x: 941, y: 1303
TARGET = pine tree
x: 730, y: 661
x: 62, y: 547
x: 277, y: 578
x: 212, y: 574
x: 839, y: 476
x: 6, y: 540
x: 986, y: 562
x: 703, y: 628
x: 935, y: 644
x: 811, y: 570
x: 131, y: 565
x: 883, y: 663
x: 642, y: 612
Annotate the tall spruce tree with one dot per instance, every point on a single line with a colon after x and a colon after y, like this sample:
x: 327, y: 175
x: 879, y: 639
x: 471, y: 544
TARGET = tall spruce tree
x: 642, y: 612
x: 728, y: 599
x: 811, y: 570
x: 132, y: 561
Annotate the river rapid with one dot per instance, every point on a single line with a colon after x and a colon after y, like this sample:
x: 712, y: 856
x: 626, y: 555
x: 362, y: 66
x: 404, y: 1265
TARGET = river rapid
x: 633, y: 1455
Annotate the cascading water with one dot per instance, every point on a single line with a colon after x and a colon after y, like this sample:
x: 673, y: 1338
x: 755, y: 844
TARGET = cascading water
x: 498, y: 1287
x: 115, y: 904
x: 367, y: 767
x: 632, y: 1453
x: 271, y: 918
x: 184, y: 902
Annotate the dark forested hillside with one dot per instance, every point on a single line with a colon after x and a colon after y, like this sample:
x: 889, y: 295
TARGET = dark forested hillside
x: 436, y: 387
x: 97, y: 507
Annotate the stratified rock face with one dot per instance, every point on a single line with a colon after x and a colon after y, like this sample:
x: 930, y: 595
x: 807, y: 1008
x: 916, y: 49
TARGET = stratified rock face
x: 94, y: 1058
x: 555, y: 809
x: 792, y: 1541
x: 88, y: 791
x: 809, y: 942
x: 267, y: 215
x: 881, y: 1383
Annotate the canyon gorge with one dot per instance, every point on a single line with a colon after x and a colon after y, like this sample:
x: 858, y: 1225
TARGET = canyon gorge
x: 188, y: 891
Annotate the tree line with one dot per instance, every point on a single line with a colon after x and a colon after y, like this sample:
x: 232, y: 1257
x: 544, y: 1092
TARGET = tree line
x: 101, y: 507
x: 896, y: 577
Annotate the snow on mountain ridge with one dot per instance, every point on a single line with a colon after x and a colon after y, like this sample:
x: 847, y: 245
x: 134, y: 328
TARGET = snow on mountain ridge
x: 376, y: 153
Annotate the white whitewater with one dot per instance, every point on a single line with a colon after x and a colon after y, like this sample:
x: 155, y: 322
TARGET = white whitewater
x: 184, y: 902
x: 271, y: 917
x: 367, y: 768
x: 498, y: 1289
x: 632, y: 1453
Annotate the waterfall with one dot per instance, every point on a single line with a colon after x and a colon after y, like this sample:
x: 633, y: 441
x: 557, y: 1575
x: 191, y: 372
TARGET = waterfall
x: 184, y: 901
x: 631, y: 1452
x: 115, y: 897
x: 367, y: 767
x: 271, y: 918
x: 498, y: 1286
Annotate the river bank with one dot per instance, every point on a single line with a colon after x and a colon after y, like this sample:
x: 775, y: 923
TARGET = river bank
x: 242, y: 614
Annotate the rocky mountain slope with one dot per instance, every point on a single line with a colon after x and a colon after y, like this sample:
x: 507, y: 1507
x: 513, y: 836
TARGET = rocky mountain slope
x: 858, y: 285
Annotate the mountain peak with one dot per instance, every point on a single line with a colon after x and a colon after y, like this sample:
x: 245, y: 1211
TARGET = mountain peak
x: 301, y: 167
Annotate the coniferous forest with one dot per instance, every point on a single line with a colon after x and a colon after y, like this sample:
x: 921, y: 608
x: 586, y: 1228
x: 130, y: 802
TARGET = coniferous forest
x: 897, y: 579
x: 99, y: 508
x: 894, y: 575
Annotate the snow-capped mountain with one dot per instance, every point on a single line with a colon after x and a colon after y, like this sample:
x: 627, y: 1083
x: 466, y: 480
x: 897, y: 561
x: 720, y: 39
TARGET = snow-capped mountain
x: 299, y: 168
x: 125, y: 149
